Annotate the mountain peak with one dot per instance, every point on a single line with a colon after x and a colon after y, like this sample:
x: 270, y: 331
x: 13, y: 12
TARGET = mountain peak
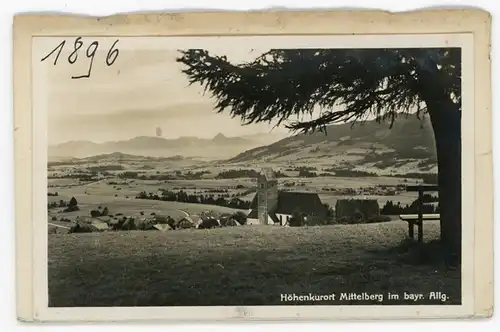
x: 219, y: 136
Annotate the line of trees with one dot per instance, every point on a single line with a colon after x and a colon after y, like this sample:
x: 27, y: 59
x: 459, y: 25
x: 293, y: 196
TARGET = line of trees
x: 69, y: 206
x: 427, y: 178
x: 184, y: 197
x: 392, y: 208
x: 244, y: 173
x: 189, y: 175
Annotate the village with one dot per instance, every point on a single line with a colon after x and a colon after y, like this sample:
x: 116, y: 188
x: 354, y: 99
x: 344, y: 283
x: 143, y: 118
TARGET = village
x: 269, y: 206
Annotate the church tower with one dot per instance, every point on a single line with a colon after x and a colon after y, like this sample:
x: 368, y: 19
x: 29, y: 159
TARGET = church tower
x: 267, y: 194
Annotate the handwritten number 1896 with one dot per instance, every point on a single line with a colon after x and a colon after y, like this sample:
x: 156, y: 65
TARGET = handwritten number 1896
x: 90, y: 53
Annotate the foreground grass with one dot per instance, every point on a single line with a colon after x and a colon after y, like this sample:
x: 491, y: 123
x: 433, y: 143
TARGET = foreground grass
x: 250, y: 265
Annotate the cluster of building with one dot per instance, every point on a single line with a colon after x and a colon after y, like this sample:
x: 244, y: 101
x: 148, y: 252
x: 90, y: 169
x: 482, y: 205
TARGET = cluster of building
x: 273, y: 207
x: 156, y: 222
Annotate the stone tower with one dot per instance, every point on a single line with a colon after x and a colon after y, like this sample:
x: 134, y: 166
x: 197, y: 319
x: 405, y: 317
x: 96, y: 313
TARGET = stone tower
x: 267, y: 194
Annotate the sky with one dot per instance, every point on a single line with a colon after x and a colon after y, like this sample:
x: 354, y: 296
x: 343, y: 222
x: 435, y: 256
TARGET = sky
x: 142, y: 91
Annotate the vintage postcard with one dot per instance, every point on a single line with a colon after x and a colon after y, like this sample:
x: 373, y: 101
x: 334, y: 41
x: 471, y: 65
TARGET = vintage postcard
x: 253, y: 166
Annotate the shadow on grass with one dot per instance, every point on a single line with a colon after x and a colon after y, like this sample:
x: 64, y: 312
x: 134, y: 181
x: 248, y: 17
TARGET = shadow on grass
x: 253, y: 277
x: 412, y: 252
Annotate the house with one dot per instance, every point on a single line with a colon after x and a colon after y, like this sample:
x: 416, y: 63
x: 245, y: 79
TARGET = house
x: 194, y: 220
x: 162, y: 227
x: 228, y: 221
x: 105, y: 219
x: 160, y: 219
x: 146, y: 220
x: 271, y: 206
x: 185, y: 222
x: 84, y: 220
x: 114, y: 221
x: 99, y: 226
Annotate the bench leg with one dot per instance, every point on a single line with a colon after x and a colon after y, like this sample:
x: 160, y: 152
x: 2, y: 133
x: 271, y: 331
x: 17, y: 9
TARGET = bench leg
x: 420, y: 232
x: 410, y: 230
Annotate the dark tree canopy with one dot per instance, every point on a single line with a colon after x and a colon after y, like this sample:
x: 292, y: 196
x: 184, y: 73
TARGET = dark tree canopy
x: 346, y: 84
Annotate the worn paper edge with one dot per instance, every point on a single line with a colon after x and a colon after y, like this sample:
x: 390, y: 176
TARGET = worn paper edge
x: 346, y: 22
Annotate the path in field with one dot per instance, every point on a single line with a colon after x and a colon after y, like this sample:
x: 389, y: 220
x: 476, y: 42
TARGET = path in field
x: 60, y: 226
x: 186, y: 213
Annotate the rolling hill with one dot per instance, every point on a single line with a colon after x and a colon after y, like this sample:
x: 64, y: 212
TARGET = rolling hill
x: 406, y: 147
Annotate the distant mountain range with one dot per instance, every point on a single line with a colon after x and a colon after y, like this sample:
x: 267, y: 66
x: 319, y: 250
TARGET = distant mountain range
x: 118, y: 158
x: 219, y: 147
x: 370, y: 146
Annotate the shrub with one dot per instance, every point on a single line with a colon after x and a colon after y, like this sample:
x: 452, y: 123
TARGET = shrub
x: 144, y: 225
x: 356, y: 210
x: 316, y: 221
x: 240, y: 217
x: 228, y: 222
x: 95, y: 213
x: 80, y: 229
x: 118, y: 226
x: 171, y: 222
x: 71, y: 208
x: 379, y: 218
x: 129, y: 224
x: 54, y: 218
x: 209, y: 223
x: 105, y: 212
x: 343, y: 220
x: 296, y: 220
x: 72, y: 202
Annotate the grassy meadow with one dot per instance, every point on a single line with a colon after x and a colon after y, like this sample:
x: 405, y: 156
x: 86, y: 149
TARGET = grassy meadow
x: 248, y: 265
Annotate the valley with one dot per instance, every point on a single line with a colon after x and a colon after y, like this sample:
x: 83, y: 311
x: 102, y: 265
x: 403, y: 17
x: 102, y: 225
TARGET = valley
x: 333, y: 165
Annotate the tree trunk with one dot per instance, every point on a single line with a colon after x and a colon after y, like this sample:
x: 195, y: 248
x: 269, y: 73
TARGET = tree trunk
x: 446, y: 122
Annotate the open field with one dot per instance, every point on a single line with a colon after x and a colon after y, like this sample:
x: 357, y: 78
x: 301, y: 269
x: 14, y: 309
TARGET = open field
x: 119, y: 194
x: 133, y: 207
x: 248, y: 265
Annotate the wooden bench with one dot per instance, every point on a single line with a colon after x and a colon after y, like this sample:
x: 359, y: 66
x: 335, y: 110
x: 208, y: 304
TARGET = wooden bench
x: 413, y: 219
x: 419, y: 218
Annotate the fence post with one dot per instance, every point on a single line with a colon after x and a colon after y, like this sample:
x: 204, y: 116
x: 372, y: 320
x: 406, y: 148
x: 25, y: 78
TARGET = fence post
x: 420, y: 223
x: 411, y: 229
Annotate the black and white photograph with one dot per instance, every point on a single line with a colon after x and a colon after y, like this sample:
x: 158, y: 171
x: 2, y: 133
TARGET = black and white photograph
x: 254, y: 171
x: 296, y: 171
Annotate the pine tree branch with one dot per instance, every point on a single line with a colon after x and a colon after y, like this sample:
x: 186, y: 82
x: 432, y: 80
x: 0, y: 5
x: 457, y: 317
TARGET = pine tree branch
x: 283, y: 83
